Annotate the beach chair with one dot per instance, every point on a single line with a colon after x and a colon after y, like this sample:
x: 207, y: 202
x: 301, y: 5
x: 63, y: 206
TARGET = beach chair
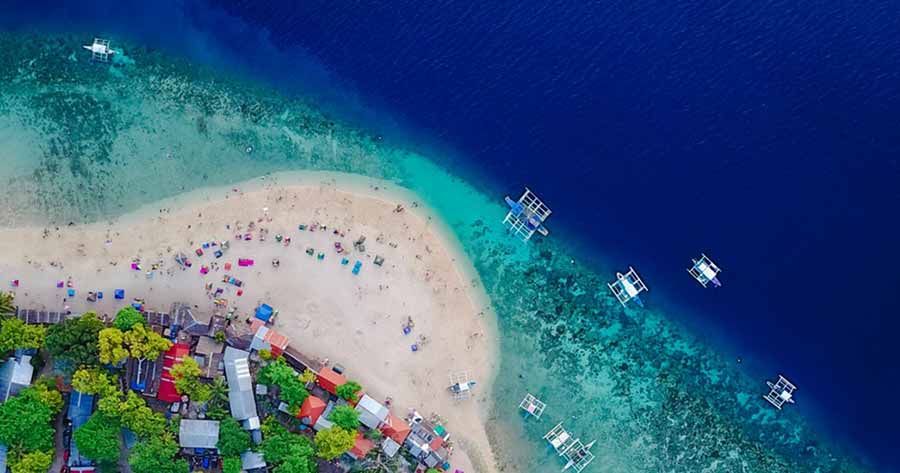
x: 357, y: 267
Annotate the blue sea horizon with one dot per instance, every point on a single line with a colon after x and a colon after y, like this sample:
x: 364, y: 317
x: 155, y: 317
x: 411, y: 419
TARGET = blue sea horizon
x: 656, y: 132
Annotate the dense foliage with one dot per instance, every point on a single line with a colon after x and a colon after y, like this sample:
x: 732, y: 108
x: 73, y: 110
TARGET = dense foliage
x: 345, y: 417
x: 334, y: 442
x: 127, y: 318
x: 156, y: 455
x: 282, y: 448
x: 292, y: 389
x: 233, y: 439
x: 76, y: 340
x: 7, y: 304
x: 139, y: 342
x: 349, y: 390
x: 98, y: 438
x: 91, y: 381
x: 25, y: 420
x: 111, y: 346
x: 132, y: 412
x: 32, y: 462
x: 17, y: 334
x: 231, y: 465
x: 187, y: 380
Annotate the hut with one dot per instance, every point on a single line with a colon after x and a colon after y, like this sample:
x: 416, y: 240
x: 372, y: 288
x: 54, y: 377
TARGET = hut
x: 311, y: 409
x: 202, y: 434
x: 371, y: 412
x: 264, y: 338
x: 329, y: 379
x: 361, y: 447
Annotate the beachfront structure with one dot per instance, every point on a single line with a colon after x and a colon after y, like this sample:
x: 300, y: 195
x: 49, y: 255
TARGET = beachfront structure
x: 15, y: 375
x: 264, y: 338
x: 175, y: 356
x: 79, y: 411
x: 627, y: 287
x: 526, y: 216
x: 460, y: 385
x: 577, y: 454
x: 194, y: 433
x: 426, y: 442
x: 371, y: 412
x: 100, y: 50
x: 532, y: 406
x: 395, y: 431
x: 240, y: 388
x: 780, y: 392
x: 705, y: 271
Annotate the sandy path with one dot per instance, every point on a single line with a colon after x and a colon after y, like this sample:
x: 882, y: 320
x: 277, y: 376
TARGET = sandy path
x: 326, y: 311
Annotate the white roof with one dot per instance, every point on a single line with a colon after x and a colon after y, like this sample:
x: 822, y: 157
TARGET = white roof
x: 252, y: 460
x: 371, y: 412
x: 240, y: 384
x: 389, y: 447
x: 193, y: 433
x: 15, y: 375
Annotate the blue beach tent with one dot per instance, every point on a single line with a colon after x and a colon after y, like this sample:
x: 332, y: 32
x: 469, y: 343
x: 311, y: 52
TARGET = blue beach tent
x: 357, y: 267
x: 264, y: 312
x: 120, y: 293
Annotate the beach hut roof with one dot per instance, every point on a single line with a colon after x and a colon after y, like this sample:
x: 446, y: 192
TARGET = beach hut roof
x: 264, y: 338
x: 183, y: 317
x: 395, y: 428
x: 371, y: 412
x: 173, y: 357
x: 240, y: 384
x: 193, y: 433
x: 362, y: 446
x: 15, y: 375
x: 3, y: 451
x: 329, y: 380
x: 312, y: 408
x: 252, y: 461
x: 390, y: 447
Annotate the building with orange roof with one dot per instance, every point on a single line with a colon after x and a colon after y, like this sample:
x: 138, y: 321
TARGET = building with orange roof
x: 329, y: 380
x: 173, y: 357
x: 362, y: 447
x: 311, y: 409
x: 395, y: 428
x: 264, y: 338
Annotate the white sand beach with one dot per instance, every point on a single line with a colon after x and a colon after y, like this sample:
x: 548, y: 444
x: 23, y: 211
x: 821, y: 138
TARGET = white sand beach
x: 326, y: 311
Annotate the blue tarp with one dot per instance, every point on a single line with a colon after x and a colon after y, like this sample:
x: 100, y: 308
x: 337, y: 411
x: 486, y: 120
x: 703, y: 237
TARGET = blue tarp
x: 2, y: 458
x: 264, y: 312
x: 80, y: 408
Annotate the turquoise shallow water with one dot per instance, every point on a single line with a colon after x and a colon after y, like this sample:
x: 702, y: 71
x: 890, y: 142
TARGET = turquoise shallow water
x: 86, y: 142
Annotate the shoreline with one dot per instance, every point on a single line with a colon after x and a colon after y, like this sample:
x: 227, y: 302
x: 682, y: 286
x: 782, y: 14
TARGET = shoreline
x: 339, y: 201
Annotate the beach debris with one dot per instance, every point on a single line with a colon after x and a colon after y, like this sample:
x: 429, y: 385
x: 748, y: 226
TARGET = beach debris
x: 199, y: 251
x: 100, y: 50
x: 71, y: 292
x: 245, y: 262
x: 780, y: 392
x: 338, y: 247
x: 320, y: 256
x: 532, y: 406
x: 359, y: 244
x: 379, y: 260
x: 705, y: 271
x: 345, y: 261
x: 232, y: 280
x: 527, y: 216
x: 627, y: 287
x: 276, y: 262
x: 460, y: 385
x: 310, y: 251
x: 183, y: 260
x: 578, y: 455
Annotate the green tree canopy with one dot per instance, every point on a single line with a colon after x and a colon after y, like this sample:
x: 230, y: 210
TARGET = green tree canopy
x: 292, y: 389
x: 133, y: 413
x: 17, y: 334
x: 92, y: 381
x: 98, y: 438
x: 279, y: 446
x: 76, y: 340
x: 156, y: 455
x: 231, y: 465
x: 32, y: 462
x: 127, y: 318
x: 299, y: 460
x: 7, y: 304
x: 334, y: 442
x: 111, y: 343
x: 143, y: 343
x: 187, y: 380
x: 345, y: 417
x: 349, y: 390
x: 25, y: 420
x: 233, y: 440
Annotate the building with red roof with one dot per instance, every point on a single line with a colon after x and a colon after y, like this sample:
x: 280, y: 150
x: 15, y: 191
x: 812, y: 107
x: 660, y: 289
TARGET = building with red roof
x: 264, y: 338
x: 173, y: 357
x: 395, y: 428
x: 362, y: 447
x: 329, y: 380
x: 311, y: 409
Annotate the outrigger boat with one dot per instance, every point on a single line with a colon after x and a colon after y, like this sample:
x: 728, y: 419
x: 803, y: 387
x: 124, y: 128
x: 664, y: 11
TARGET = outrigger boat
x: 100, y: 50
x: 705, y: 271
x: 527, y: 216
x: 627, y: 287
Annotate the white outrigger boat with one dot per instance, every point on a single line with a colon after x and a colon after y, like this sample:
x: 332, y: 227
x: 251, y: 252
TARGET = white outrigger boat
x: 527, y: 216
x: 780, y: 392
x: 627, y: 287
x: 578, y: 455
x: 100, y: 50
x: 705, y: 271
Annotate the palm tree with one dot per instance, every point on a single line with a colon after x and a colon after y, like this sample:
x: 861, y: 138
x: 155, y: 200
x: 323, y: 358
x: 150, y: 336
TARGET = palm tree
x: 7, y: 306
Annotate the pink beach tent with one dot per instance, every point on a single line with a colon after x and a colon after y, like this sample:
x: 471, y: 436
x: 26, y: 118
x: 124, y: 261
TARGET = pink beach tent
x: 204, y: 270
x: 244, y: 262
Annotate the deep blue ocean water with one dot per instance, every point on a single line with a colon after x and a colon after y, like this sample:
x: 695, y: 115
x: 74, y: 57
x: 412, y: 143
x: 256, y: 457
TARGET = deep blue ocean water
x: 764, y: 133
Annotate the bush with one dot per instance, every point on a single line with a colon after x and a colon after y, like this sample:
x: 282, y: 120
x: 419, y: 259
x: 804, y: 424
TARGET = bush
x: 334, y: 442
x: 233, y: 440
x: 349, y: 390
x: 345, y: 417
